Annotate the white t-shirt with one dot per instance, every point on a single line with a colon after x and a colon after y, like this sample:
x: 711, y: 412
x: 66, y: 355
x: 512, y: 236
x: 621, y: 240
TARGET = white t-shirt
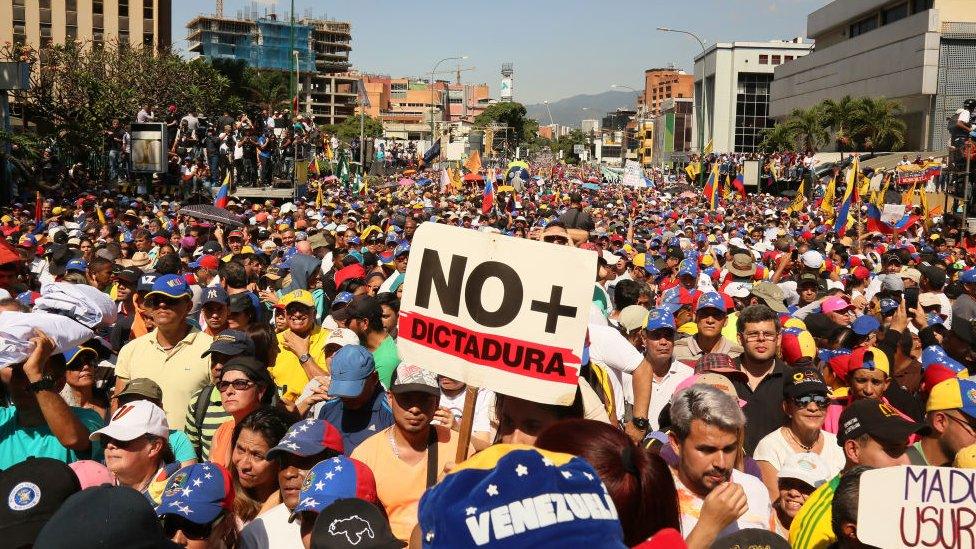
x: 663, y: 389
x: 456, y: 405
x: 610, y: 348
x: 774, y: 449
x: 272, y: 525
x: 759, y: 512
x: 963, y: 116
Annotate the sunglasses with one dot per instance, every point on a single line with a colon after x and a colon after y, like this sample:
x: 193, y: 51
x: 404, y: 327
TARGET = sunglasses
x: 190, y: 529
x: 556, y: 239
x: 297, y: 310
x: 803, y: 401
x: 154, y: 302
x: 237, y: 384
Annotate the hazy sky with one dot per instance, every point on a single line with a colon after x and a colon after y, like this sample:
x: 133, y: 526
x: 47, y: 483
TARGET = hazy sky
x: 559, y: 48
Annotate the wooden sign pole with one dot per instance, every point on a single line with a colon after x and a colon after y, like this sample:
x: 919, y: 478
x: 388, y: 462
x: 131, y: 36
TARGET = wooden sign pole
x: 467, y: 420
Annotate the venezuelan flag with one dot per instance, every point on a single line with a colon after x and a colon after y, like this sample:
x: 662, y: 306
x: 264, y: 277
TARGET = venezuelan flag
x: 223, y: 194
x: 850, y: 197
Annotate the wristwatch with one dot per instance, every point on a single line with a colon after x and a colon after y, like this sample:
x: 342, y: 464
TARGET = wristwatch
x: 46, y: 383
x: 302, y: 359
x: 640, y: 422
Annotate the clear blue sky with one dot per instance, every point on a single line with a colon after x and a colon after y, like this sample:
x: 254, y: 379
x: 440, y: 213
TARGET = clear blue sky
x: 559, y: 48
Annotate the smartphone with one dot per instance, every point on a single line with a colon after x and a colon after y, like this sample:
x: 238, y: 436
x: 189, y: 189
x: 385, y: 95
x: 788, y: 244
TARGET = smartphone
x: 911, y: 298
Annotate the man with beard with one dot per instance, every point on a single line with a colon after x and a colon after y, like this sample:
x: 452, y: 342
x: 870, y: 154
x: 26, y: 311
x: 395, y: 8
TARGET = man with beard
x: 407, y: 457
x: 715, y: 498
x: 306, y: 443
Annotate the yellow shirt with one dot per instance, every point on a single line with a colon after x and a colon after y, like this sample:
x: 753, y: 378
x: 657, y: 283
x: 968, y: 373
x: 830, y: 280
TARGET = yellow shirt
x: 179, y: 372
x: 288, y: 373
x: 399, y: 485
x: 812, y: 528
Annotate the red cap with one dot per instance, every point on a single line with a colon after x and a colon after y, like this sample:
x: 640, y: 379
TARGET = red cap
x: 235, y: 234
x: 160, y: 240
x: 207, y: 262
x: 861, y: 273
x: 349, y: 272
x: 807, y: 235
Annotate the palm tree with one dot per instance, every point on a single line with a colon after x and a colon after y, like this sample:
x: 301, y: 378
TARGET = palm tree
x: 268, y: 89
x: 879, y: 125
x: 809, y: 128
x: 778, y: 138
x: 837, y: 115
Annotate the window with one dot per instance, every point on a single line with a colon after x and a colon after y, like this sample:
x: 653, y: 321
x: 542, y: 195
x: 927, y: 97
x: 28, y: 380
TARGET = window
x: 787, y: 58
x: 71, y: 5
x: 777, y: 60
x: 751, y: 110
x: 98, y: 7
x: 147, y: 9
x: 867, y: 24
x: 71, y: 33
x: 894, y: 13
x: 123, y: 8
x: 763, y: 59
x: 921, y: 5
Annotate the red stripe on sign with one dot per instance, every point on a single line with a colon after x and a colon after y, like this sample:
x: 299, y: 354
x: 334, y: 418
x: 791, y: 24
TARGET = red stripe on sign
x: 499, y: 352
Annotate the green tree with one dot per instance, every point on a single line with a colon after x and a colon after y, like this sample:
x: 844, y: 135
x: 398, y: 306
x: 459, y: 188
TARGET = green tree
x: 348, y: 130
x: 808, y: 128
x: 267, y: 89
x: 566, y: 143
x: 838, y: 116
x: 511, y: 114
x: 878, y: 125
x: 778, y: 138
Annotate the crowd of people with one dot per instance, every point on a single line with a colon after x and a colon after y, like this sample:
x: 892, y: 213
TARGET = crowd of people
x: 237, y: 382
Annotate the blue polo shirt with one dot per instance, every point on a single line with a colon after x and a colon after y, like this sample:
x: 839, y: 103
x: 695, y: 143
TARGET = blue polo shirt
x: 358, y: 425
x: 18, y: 443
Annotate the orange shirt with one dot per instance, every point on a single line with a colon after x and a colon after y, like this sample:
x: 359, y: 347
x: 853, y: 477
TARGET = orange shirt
x: 398, y: 484
x: 220, y: 445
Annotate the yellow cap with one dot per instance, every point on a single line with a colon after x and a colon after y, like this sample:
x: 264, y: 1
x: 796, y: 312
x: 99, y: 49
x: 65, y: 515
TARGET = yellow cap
x: 966, y: 458
x: 640, y: 260
x: 57, y: 210
x: 298, y: 296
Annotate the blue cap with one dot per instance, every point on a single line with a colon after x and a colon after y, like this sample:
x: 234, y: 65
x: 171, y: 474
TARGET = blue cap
x: 75, y: 352
x: 199, y: 493
x: 309, y: 437
x: 402, y: 248
x: 231, y: 343
x: 660, y: 318
x: 933, y: 318
x: 351, y: 365
x: 968, y: 277
x: 343, y: 297
x: 865, y: 324
x: 77, y: 265
x: 170, y: 285
x: 710, y: 300
x: 392, y: 238
x: 651, y: 269
x: 688, y: 267
x: 358, y: 256
x: 888, y: 305
x: 672, y: 295
x: 333, y: 479
x: 353, y: 240
x: 215, y: 294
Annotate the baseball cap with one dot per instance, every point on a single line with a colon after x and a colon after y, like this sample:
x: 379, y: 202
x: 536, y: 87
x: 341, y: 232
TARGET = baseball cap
x: 968, y: 277
x: 710, y: 300
x: 351, y: 365
x: 719, y: 363
x: 146, y: 282
x: 808, y: 279
x: 303, y: 297
x: 869, y: 358
x: 250, y: 366
x: 402, y: 248
x: 503, y: 476
x: 332, y: 479
x: 142, y: 386
x: 129, y: 275
x: 771, y: 294
x: 812, y: 259
x: 804, y: 381
x: 860, y: 272
x: 740, y: 290
x: 878, y: 419
x: 75, y: 352
x: 752, y: 538
x: 232, y: 343
x: 341, y: 337
x: 210, y: 248
x: 887, y: 305
x: 104, y: 516
x: 797, y: 343
x: 170, y: 285
x: 343, y: 523
x: 935, y: 275
x: 892, y: 283
x: 806, y: 467
x: 91, y: 473
x: 214, y: 294
x: 688, y: 267
x: 865, y: 324
x: 835, y: 303
x: 77, y: 265
x: 238, y: 303
x: 198, y: 493
x: 343, y: 298
x: 409, y: 378
x: 953, y: 394
x: 207, y: 262
x: 632, y: 317
x: 33, y: 490
x: 133, y: 420
x: 308, y: 438
x: 361, y: 306
x: 659, y: 318
x: 964, y: 329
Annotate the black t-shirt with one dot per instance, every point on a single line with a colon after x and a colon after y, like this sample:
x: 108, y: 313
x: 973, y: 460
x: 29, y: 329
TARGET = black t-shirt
x: 764, y: 406
x: 576, y: 218
x: 113, y: 139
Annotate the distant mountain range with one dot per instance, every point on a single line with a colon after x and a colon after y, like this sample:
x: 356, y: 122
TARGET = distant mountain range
x: 569, y: 111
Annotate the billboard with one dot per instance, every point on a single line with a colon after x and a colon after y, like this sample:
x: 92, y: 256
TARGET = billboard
x: 149, y: 147
x: 506, y: 90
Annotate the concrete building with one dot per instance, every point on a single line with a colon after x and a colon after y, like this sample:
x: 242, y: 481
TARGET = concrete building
x: 663, y: 84
x: 404, y: 105
x: 323, y: 48
x: 41, y: 23
x: 673, y: 131
x: 918, y: 52
x: 590, y: 126
x: 736, y: 78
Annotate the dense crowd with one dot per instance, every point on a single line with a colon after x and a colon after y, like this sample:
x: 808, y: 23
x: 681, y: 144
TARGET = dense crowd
x: 236, y: 382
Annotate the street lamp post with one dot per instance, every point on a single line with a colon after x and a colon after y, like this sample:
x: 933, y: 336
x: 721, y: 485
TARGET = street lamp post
x: 432, y: 73
x: 702, y: 114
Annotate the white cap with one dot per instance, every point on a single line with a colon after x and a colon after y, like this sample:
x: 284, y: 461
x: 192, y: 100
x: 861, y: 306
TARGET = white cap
x: 738, y: 289
x: 812, y: 259
x: 287, y: 207
x: 134, y: 420
x: 342, y: 337
x: 807, y: 467
x: 610, y: 257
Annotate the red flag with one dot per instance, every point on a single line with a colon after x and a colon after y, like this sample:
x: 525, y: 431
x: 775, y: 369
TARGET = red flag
x: 739, y: 184
x: 38, y: 208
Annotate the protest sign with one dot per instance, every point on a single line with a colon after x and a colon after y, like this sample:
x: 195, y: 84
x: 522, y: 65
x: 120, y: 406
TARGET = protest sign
x: 507, y: 314
x: 892, y: 213
x: 633, y: 175
x: 914, y: 173
x: 913, y: 506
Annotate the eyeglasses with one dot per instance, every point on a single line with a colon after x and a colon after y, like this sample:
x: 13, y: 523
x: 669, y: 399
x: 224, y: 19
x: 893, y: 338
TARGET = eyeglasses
x: 760, y: 336
x: 556, y: 239
x: 969, y: 426
x: 154, y: 302
x: 190, y: 529
x: 803, y: 401
x: 299, y: 311
x: 238, y: 384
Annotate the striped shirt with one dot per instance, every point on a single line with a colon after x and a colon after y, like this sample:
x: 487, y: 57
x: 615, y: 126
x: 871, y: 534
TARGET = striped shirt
x: 812, y: 528
x: 202, y: 435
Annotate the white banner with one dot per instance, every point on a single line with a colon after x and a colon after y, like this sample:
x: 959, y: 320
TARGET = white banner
x: 892, y: 213
x: 633, y: 175
x: 508, y: 314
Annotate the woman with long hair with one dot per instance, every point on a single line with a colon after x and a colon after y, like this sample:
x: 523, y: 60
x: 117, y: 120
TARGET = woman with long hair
x: 256, y: 478
x: 639, y: 481
x: 245, y: 385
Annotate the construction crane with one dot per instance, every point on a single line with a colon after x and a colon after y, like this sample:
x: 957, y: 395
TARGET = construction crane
x: 220, y: 8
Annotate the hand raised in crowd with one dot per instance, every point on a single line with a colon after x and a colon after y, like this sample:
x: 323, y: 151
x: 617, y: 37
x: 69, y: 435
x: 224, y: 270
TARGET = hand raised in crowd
x: 36, y: 365
x: 899, y: 320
